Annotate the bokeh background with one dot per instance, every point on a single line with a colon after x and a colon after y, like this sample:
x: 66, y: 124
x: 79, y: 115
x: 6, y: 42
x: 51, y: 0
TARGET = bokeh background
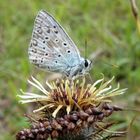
x: 111, y: 33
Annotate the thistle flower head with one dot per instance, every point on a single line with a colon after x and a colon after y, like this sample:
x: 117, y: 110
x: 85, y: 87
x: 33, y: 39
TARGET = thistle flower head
x: 76, y: 109
x: 70, y: 96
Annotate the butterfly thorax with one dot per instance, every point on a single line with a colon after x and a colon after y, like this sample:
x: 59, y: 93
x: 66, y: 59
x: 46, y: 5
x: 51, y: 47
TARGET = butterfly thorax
x: 80, y: 69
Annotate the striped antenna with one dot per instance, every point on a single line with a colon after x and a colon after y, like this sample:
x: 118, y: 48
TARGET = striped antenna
x: 85, y: 48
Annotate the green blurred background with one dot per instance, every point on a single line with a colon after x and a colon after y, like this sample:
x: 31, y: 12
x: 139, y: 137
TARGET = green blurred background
x: 107, y: 25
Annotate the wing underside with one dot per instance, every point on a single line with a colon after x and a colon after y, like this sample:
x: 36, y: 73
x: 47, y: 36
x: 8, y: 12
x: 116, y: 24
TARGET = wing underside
x: 50, y: 47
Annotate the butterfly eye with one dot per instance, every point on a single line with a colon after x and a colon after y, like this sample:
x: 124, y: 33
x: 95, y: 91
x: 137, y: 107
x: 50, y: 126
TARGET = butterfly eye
x: 59, y: 55
x: 68, y: 51
x: 54, y: 26
x: 86, y: 63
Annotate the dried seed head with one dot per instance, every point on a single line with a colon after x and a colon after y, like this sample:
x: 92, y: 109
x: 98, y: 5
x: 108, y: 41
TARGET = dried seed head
x: 31, y: 136
x: 73, y: 123
x: 108, y: 113
x: 116, y: 108
x: 83, y: 115
x: 107, y: 107
x: 96, y: 111
x: 100, y: 116
x: 40, y: 136
x: 56, y: 125
x: 64, y: 97
x: 79, y: 123
x: 89, y: 111
x: 71, y: 126
x: 54, y: 134
x: 90, y: 119
x: 72, y: 108
x: 73, y: 117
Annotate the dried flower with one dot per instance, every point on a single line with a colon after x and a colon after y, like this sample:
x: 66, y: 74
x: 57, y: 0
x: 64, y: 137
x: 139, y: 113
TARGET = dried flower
x: 76, y: 109
x: 64, y: 95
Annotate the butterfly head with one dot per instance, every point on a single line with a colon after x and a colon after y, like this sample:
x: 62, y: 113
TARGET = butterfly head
x: 87, y: 65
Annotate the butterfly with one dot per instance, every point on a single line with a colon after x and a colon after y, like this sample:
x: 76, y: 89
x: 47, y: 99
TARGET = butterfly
x: 53, y: 50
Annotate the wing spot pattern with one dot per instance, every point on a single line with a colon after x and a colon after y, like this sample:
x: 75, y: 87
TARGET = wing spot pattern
x: 48, y: 31
x: 34, y: 51
x: 56, y: 40
x: 65, y: 44
x: 46, y: 37
x: 34, y: 60
x: 39, y: 31
x: 41, y: 60
x: 56, y: 32
x: 34, y: 42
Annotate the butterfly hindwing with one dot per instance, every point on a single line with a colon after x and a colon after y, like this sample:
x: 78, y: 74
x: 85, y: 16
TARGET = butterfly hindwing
x: 50, y: 47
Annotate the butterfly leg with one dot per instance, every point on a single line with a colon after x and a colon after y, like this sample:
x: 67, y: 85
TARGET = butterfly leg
x: 71, y: 83
x: 89, y: 77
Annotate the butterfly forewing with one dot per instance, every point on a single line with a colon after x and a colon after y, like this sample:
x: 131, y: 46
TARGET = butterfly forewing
x: 50, y: 47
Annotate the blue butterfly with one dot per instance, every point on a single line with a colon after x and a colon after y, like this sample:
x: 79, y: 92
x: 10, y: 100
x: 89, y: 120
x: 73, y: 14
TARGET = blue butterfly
x: 53, y: 50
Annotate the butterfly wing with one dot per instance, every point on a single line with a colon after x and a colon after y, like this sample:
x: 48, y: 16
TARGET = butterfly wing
x: 50, y: 47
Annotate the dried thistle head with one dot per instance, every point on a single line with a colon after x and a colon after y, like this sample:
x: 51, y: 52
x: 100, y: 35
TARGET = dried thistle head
x: 70, y: 97
x: 75, y: 108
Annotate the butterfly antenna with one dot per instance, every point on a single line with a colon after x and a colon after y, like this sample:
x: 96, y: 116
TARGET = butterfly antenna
x: 85, y: 48
x: 112, y: 65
